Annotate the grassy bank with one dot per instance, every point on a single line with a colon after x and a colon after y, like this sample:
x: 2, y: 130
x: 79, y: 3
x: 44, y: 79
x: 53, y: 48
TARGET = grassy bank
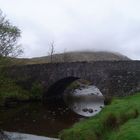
x: 118, y: 121
x: 11, y: 92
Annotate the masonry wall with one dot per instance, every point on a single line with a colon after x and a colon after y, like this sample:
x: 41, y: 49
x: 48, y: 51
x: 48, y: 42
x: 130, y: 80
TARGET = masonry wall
x: 113, y: 78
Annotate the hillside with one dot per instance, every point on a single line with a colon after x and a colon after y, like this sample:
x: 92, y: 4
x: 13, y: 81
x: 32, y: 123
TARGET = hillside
x: 84, y: 56
x: 69, y: 57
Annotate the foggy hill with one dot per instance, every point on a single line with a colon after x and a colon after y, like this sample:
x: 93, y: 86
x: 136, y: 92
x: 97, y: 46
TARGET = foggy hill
x: 81, y: 56
x: 70, y: 57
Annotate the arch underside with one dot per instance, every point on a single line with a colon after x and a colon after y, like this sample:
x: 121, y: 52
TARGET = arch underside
x: 56, y: 90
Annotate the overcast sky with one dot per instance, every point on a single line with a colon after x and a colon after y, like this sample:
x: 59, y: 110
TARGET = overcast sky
x: 106, y: 25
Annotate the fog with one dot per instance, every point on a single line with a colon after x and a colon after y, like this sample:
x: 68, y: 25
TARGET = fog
x: 97, y: 25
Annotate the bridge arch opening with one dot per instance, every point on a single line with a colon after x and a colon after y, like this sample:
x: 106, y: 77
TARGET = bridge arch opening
x: 57, y: 89
x: 78, y: 94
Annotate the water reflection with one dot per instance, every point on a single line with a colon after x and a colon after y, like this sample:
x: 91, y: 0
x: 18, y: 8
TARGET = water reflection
x: 36, y: 118
x: 51, y: 118
x: 86, y: 101
x: 20, y: 136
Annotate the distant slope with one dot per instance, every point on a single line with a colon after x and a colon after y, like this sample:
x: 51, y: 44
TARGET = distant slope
x: 82, y: 56
x: 71, y: 57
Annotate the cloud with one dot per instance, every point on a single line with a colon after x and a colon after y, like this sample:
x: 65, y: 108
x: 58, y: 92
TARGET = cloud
x: 75, y: 25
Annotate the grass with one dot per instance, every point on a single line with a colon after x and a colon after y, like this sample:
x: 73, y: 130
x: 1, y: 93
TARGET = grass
x: 77, y: 84
x: 118, y: 121
x: 128, y: 131
x: 12, y: 92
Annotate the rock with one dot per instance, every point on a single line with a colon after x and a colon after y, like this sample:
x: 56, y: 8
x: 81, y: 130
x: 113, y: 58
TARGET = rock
x: 34, y: 121
x: 74, y: 107
x: 84, y: 109
x: 3, y: 136
x: 90, y: 110
x: 101, y: 106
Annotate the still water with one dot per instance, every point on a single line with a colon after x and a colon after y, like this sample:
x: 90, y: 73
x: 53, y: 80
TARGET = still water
x: 49, y: 119
x: 36, y: 118
x: 20, y: 136
x: 86, y: 101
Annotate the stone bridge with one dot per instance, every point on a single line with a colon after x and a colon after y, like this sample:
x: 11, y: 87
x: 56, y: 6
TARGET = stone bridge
x: 113, y: 78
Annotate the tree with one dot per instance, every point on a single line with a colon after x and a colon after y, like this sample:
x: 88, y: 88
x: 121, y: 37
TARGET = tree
x: 9, y: 35
x: 51, y: 51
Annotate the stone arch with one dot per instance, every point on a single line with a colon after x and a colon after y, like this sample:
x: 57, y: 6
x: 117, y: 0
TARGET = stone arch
x: 56, y: 89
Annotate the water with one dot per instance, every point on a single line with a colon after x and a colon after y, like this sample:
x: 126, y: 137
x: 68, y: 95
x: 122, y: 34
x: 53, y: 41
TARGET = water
x: 20, y: 136
x: 36, y: 118
x: 86, y: 101
x: 49, y: 119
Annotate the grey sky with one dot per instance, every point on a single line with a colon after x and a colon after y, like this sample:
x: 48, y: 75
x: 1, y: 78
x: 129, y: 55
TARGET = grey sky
x: 110, y: 25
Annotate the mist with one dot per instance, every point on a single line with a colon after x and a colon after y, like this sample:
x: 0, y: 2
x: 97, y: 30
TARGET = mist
x: 94, y: 25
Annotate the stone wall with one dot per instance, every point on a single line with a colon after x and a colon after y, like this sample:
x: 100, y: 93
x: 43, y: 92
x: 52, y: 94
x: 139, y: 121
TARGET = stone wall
x: 113, y: 78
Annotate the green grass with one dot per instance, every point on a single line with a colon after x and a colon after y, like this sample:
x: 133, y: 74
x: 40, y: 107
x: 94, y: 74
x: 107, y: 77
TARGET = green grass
x: 128, y: 131
x: 118, y: 121
x: 77, y: 84
x: 10, y: 91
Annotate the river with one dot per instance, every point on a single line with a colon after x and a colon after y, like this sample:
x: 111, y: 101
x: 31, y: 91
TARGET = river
x: 48, y: 120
